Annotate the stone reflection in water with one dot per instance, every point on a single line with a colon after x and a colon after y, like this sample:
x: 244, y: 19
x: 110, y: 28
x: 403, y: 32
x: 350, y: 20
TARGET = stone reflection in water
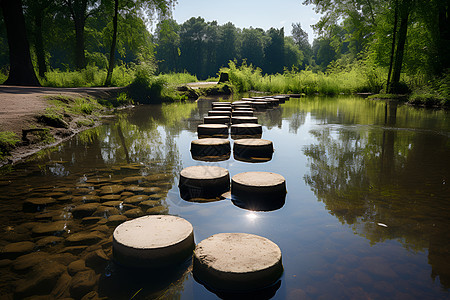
x: 387, y: 184
x: 58, y: 212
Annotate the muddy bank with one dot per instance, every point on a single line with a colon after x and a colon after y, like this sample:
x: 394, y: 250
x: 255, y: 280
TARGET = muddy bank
x: 20, y: 108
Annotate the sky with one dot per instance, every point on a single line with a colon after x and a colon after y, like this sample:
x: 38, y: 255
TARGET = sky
x: 255, y: 13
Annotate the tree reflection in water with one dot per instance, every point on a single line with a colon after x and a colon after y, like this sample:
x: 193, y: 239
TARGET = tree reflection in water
x: 387, y: 183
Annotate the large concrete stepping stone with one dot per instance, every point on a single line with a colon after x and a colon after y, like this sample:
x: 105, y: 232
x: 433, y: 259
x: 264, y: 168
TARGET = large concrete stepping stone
x: 260, y: 191
x: 253, y: 150
x: 242, y: 120
x: 220, y: 104
x: 203, y: 182
x: 246, y: 129
x: 153, y: 241
x: 237, y: 262
x: 242, y: 113
x: 210, y: 147
x: 216, y: 120
x: 212, y: 130
x: 219, y: 113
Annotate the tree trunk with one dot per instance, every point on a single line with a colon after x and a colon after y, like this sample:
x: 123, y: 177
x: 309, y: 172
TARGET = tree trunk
x: 113, y: 45
x: 39, y: 43
x: 80, y: 58
x: 394, y: 35
x: 402, y: 33
x: 21, y: 70
x: 444, y: 35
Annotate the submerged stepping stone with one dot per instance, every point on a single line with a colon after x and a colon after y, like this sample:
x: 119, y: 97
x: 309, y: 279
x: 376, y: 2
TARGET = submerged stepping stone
x: 212, y: 130
x: 242, y: 120
x: 37, y: 204
x: 219, y: 113
x: 216, y: 120
x: 260, y: 186
x: 153, y: 241
x: 242, y: 113
x: 237, y: 262
x: 203, y: 182
x: 210, y: 147
x: 253, y: 149
x: 246, y: 129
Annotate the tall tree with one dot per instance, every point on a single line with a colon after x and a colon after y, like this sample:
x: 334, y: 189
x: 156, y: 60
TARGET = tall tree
x: 168, y: 45
x: 21, y: 70
x: 274, y: 51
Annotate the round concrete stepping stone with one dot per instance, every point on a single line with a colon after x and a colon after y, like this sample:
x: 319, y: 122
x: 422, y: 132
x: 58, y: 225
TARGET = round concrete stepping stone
x: 241, y: 103
x: 258, y: 185
x: 212, y: 130
x: 203, y: 182
x: 242, y: 120
x: 222, y: 108
x: 267, y: 103
x: 216, y: 120
x: 253, y: 150
x: 219, y: 113
x: 224, y: 103
x: 273, y: 102
x: 260, y: 105
x: 243, y: 108
x: 242, y: 113
x: 210, y: 147
x: 153, y: 241
x: 246, y: 129
x: 237, y: 262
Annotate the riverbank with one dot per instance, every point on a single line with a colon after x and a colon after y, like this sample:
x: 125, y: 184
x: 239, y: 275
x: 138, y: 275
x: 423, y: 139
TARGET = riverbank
x: 25, y: 113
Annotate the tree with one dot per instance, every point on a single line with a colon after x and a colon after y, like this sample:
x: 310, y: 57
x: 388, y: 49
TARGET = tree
x: 300, y: 38
x: 21, y: 70
x: 252, y: 49
x: 168, y: 45
x: 274, y: 51
x: 227, y: 47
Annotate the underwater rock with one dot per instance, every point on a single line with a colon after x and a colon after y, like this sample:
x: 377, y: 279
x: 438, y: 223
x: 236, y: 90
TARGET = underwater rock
x: 136, y: 199
x: 84, y: 238
x: 14, y: 250
x: 84, y: 210
x: 77, y: 266
x: 53, y: 228
x: 37, y: 204
x: 82, y: 283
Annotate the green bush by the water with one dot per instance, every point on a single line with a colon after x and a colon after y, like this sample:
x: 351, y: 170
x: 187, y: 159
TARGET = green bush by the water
x: 349, y: 80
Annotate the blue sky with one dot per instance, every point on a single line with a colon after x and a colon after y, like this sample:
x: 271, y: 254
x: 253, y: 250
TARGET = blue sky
x: 245, y: 13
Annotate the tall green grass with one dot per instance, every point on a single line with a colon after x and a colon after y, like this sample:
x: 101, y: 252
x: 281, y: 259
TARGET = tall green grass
x: 349, y: 80
x: 89, y: 77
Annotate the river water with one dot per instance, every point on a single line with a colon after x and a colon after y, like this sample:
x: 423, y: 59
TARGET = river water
x: 366, y: 216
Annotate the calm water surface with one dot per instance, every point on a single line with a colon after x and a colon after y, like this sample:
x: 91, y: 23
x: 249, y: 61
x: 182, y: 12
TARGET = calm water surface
x: 367, y: 214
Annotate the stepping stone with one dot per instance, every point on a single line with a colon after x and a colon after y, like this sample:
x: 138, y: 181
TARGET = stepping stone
x: 237, y: 262
x: 203, y: 182
x: 253, y: 150
x: 219, y: 113
x: 210, y: 147
x: 267, y: 103
x: 222, y: 108
x: 37, y: 204
x: 214, y: 104
x: 242, y: 120
x: 212, y: 130
x: 260, y: 186
x: 216, y: 120
x: 243, y: 108
x: 246, y: 129
x: 260, y: 105
x: 242, y: 113
x: 153, y: 241
x: 272, y: 101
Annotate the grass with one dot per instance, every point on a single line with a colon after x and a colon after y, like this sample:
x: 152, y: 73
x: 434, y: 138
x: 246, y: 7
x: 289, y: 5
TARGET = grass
x: 8, y: 141
x: 335, y: 81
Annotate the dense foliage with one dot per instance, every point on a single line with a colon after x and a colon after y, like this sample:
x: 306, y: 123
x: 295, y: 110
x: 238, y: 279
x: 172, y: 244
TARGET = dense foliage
x: 396, y: 45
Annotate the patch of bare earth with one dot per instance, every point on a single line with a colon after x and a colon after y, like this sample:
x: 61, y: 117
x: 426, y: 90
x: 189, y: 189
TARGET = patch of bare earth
x: 19, y: 107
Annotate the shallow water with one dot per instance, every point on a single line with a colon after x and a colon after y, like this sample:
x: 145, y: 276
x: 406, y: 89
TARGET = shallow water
x: 367, y: 214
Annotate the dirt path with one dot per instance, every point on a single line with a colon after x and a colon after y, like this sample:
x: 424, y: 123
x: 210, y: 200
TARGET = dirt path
x: 20, y: 105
